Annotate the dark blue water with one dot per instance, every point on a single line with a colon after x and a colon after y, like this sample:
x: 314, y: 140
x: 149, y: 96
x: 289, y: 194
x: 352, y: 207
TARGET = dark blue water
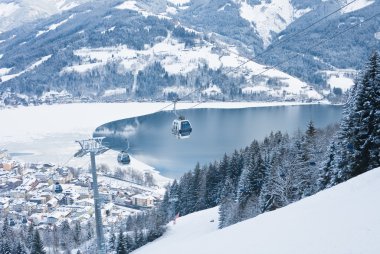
x: 215, y: 132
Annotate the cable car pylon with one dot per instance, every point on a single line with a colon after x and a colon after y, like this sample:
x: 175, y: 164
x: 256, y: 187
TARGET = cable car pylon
x: 94, y: 147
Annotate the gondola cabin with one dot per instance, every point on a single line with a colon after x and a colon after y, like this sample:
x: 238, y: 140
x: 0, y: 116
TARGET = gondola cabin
x: 181, y: 128
x: 123, y: 158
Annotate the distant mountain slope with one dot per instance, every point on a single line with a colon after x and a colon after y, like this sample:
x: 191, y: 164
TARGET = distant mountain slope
x: 342, y: 52
x: 342, y: 219
x: 18, y: 12
x: 98, y: 46
x: 159, y: 49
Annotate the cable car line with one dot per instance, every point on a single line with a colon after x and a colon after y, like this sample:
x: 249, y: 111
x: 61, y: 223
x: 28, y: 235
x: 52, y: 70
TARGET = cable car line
x: 249, y: 59
x: 297, y: 54
x: 272, y: 46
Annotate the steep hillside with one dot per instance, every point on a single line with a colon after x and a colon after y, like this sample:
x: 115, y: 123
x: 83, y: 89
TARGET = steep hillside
x: 161, y: 49
x: 341, y: 54
x: 98, y: 47
x: 19, y: 12
x: 342, y: 219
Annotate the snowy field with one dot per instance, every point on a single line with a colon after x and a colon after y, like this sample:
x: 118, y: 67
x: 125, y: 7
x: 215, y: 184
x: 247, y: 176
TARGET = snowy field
x: 47, y: 133
x: 341, y: 220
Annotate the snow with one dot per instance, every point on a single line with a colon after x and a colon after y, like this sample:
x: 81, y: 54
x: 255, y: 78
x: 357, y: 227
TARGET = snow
x: 356, y: 5
x: 54, y: 26
x: 128, y: 5
x: 175, y: 58
x: 82, y: 68
x: 340, y: 82
x: 179, y: 2
x: 112, y: 92
x: 55, y: 94
x: 223, y: 7
x: 7, y: 9
x: 134, y: 6
x: 212, y: 90
x: 31, y: 67
x: 343, y: 219
x: 377, y: 36
x: 341, y: 78
x: 63, y: 6
x: 171, y: 10
x: 4, y: 71
x: 108, y: 30
x: 179, y: 90
x: 270, y: 16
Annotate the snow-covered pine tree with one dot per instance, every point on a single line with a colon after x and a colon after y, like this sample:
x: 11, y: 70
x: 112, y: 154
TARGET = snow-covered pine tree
x: 235, y: 168
x: 121, y: 249
x: 112, y: 241
x: 20, y: 249
x: 366, y: 135
x: 227, y: 209
x: 358, y: 140
x: 186, y: 203
x: 37, y: 245
x: 29, y: 236
x: 212, y: 183
x: 5, y: 247
x: 326, y: 174
x: 272, y: 195
x: 77, y: 234
x: 222, y: 169
x: 250, y: 183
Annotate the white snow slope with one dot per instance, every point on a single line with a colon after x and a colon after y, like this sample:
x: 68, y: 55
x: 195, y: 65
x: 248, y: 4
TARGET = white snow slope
x: 270, y: 16
x: 341, y: 220
x: 18, y: 12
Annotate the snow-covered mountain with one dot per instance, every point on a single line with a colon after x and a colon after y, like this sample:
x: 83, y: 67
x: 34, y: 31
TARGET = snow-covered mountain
x: 339, y: 220
x: 18, y: 12
x: 89, y: 47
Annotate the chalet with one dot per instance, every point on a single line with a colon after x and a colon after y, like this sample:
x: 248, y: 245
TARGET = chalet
x: 142, y: 200
x: 18, y: 193
x: 13, y: 182
x: 38, y: 200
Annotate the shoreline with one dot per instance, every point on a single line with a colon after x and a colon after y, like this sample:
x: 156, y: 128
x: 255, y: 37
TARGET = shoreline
x: 48, y: 132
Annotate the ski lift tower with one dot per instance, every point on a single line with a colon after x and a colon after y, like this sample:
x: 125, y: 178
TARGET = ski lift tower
x: 94, y: 147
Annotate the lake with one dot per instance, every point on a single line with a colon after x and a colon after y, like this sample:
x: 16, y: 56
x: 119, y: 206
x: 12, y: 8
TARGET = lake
x: 215, y: 132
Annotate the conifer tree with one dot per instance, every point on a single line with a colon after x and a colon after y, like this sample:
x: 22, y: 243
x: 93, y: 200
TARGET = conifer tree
x: 77, y: 233
x: 121, y: 249
x: 37, y: 245
x: 20, y: 249
x: 227, y: 215
x: 358, y: 140
x: 5, y: 248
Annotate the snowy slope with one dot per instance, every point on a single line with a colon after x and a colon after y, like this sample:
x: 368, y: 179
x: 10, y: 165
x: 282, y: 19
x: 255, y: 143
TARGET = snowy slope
x: 343, y: 219
x: 357, y: 5
x: 270, y: 17
x: 176, y: 58
x: 18, y: 12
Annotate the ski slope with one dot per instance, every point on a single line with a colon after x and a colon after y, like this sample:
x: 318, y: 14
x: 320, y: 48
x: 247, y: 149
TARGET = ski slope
x: 341, y: 220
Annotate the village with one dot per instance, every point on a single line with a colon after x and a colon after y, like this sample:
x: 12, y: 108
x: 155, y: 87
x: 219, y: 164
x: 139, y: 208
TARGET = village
x: 45, y: 194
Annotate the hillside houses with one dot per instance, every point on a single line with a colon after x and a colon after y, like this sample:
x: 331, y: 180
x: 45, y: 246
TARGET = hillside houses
x: 46, y: 194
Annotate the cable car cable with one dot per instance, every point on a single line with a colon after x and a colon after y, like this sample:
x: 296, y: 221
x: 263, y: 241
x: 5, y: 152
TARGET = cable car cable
x: 297, y: 54
x: 261, y: 54
x: 272, y: 46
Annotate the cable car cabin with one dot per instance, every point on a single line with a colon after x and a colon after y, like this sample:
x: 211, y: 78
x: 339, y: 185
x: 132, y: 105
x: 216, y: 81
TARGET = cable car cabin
x: 181, y: 128
x: 123, y: 158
